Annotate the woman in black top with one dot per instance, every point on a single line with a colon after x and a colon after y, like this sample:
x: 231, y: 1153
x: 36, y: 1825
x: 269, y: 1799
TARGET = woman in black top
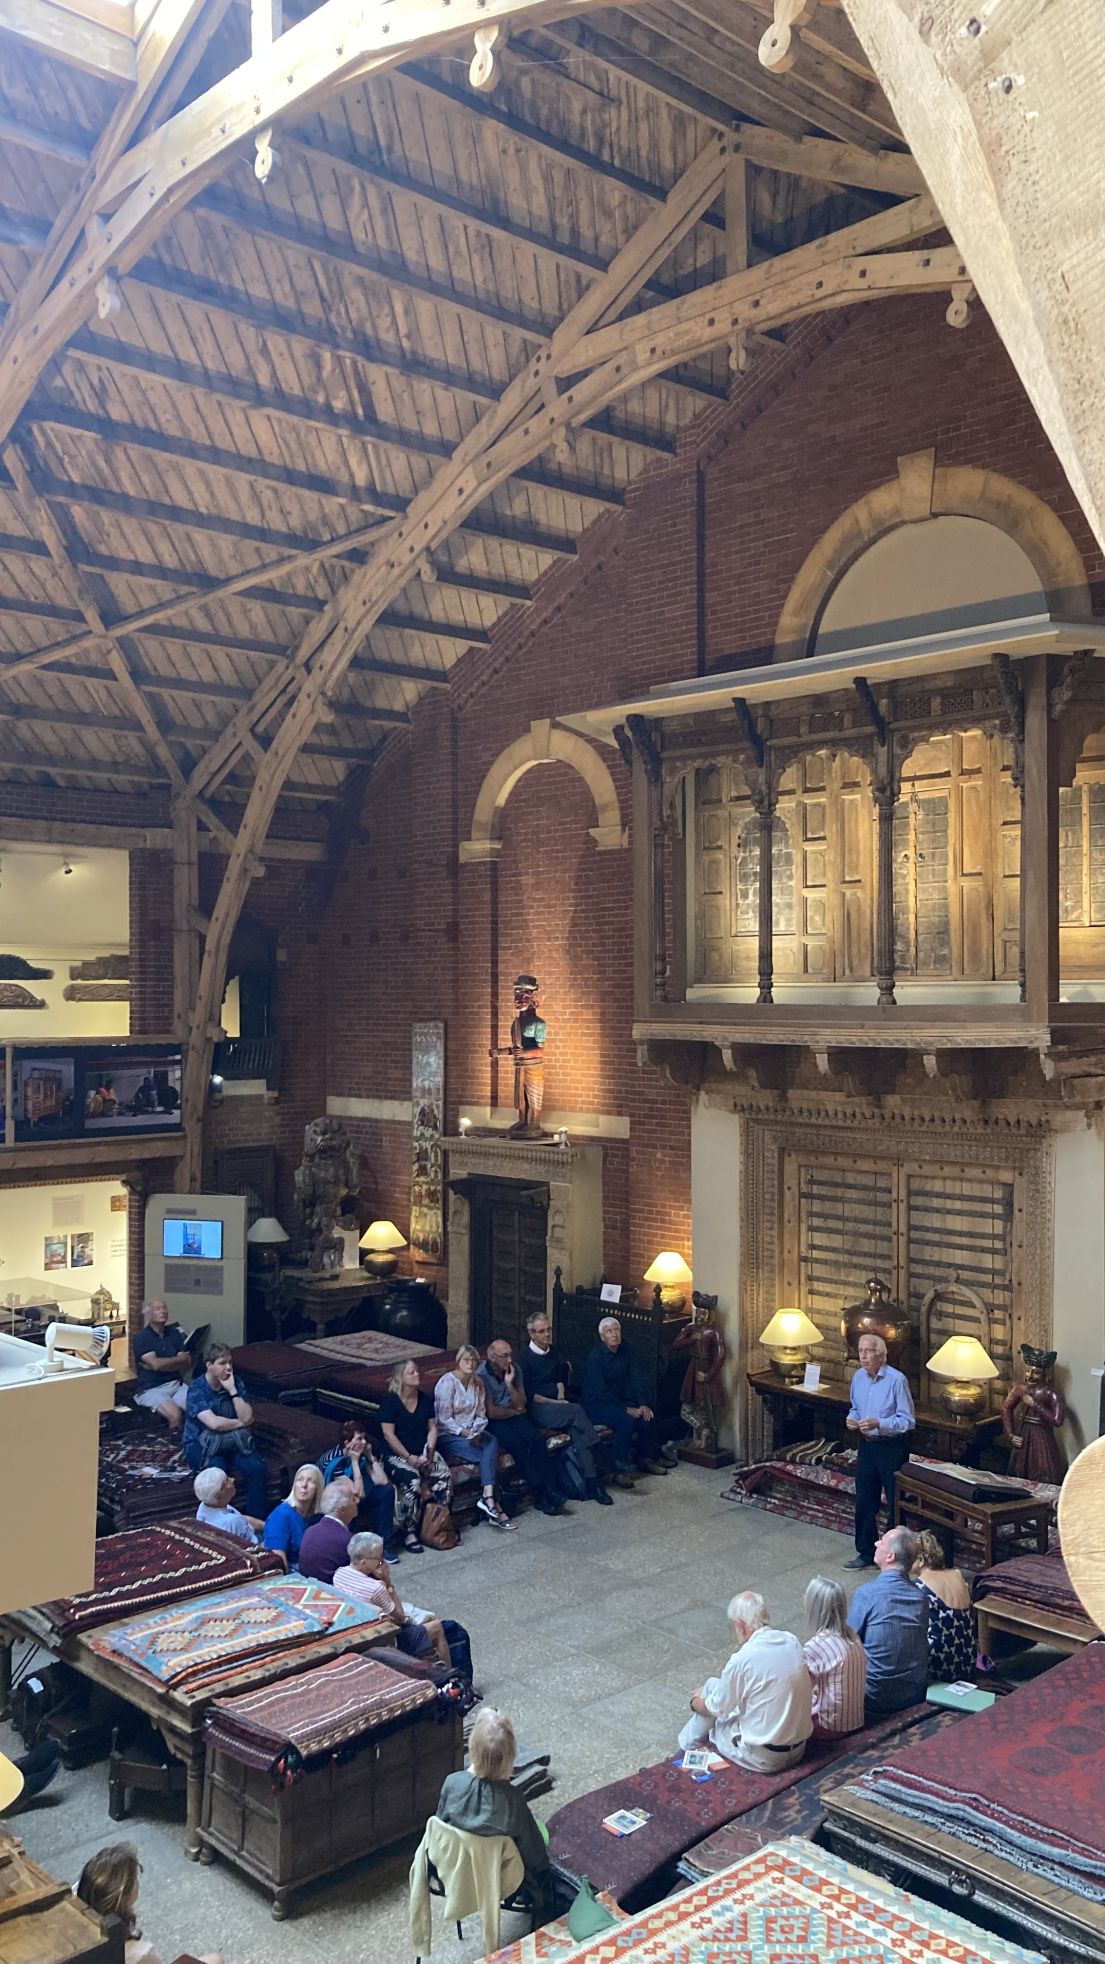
x: 410, y: 1451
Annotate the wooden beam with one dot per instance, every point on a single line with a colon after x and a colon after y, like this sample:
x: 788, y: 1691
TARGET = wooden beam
x: 1008, y: 125
x: 133, y: 838
x: 44, y: 29
x: 829, y: 88
x: 185, y: 837
x: 189, y: 733
x: 58, y: 765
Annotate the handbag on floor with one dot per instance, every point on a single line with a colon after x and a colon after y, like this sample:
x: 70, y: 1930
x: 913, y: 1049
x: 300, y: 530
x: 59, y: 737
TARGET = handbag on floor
x: 571, y: 1480
x: 460, y: 1648
x: 587, y: 1916
x: 437, y: 1528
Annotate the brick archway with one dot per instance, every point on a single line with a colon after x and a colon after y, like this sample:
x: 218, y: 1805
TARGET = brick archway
x: 542, y: 744
x: 921, y: 491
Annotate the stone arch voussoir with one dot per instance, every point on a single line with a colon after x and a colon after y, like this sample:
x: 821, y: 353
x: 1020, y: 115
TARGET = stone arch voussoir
x: 543, y: 744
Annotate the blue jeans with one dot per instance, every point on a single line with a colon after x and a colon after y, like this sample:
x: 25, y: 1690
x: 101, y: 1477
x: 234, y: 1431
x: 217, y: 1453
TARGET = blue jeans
x: 625, y: 1430
x: 247, y: 1470
x: 378, y: 1506
x: 482, y: 1452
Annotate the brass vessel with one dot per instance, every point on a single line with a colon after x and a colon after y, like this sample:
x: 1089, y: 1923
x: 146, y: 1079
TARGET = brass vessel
x: 877, y: 1316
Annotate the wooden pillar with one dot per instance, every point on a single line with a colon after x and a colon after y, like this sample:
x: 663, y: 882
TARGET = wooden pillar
x: 764, y: 802
x: 885, y: 801
x: 185, y: 906
x: 1040, y: 841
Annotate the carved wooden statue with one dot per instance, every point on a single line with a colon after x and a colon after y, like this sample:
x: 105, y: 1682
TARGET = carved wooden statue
x: 1031, y: 1417
x: 527, y: 1047
x: 702, y: 1394
x: 327, y: 1173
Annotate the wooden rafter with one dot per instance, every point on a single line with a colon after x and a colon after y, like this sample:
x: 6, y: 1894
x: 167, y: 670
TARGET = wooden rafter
x: 65, y: 36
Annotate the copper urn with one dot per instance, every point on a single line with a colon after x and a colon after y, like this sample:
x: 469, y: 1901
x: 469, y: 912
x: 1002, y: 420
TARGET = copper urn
x: 876, y: 1316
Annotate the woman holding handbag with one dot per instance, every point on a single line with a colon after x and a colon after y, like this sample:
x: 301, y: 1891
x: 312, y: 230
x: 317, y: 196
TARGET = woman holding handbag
x: 420, y: 1474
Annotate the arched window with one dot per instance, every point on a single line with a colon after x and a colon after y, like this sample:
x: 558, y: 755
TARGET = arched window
x: 937, y: 575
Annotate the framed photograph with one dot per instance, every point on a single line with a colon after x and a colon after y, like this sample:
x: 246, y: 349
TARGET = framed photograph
x: 81, y: 1249
x: 427, y: 1230
x: 55, y: 1248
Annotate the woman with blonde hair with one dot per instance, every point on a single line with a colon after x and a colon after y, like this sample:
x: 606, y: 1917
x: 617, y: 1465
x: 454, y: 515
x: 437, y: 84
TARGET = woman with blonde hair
x: 409, y: 1427
x: 835, y: 1660
x: 482, y: 1801
x: 109, y: 1885
x: 460, y: 1406
x: 290, y: 1519
x: 951, y: 1626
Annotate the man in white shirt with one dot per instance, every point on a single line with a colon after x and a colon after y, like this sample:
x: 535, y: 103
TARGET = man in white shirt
x: 758, y: 1713
x: 214, y: 1490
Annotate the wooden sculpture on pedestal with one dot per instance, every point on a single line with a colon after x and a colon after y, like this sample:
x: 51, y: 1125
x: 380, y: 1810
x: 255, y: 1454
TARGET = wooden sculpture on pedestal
x: 327, y: 1173
x: 702, y: 1396
x: 527, y: 1047
x: 1031, y: 1417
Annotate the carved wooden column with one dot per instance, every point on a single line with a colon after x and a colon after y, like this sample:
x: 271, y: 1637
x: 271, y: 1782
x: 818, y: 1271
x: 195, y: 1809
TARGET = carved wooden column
x: 1014, y: 727
x: 650, y: 926
x: 884, y: 790
x: 763, y: 801
x: 1040, y: 841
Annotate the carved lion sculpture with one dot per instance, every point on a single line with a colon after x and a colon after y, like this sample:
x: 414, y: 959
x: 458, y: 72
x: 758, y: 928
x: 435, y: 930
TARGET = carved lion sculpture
x: 327, y: 1172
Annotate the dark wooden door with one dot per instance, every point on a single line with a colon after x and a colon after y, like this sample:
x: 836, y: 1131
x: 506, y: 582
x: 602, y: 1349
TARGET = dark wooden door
x: 509, y: 1228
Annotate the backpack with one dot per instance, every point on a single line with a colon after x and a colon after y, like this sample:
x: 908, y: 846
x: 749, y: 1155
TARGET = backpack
x: 570, y: 1476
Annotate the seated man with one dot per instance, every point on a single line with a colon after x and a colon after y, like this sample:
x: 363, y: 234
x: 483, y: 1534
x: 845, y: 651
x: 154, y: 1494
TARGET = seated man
x: 889, y: 1614
x: 544, y: 1377
x: 214, y: 1490
x: 758, y: 1713
x: 325, y: 1544
x: 613, y: 1396
x: 161, y: 1361
x: 216, y: 1417
x: 508, y: 1420
x: 366, y: 1577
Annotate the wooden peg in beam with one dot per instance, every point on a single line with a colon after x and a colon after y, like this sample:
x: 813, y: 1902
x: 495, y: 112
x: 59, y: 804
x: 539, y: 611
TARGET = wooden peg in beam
x: 779, y: 45
x: 959, y: 306
x: 486, y: 69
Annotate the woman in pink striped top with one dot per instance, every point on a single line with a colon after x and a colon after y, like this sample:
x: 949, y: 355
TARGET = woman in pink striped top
x: 836, y: 1661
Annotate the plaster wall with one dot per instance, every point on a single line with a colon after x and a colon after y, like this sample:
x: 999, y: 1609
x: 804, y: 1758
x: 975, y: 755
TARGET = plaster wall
x: 716, y: 1216
x: 29, y: 1214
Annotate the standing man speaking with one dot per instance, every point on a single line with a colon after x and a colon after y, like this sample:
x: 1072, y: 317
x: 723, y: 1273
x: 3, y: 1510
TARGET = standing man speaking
x: 882, y: 1413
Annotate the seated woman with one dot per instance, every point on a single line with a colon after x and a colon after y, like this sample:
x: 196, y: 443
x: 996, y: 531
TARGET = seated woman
x: 355, y: 1460
x: 410, y: 1437
x: 951, y: 1626
x: 109, y: 1885
x: 460, y: 1405
x: 482, y: 1801
x: 214, y: 1490
x: 366, y: 1577
x: 835, y: 1660
x: 288, y: 1522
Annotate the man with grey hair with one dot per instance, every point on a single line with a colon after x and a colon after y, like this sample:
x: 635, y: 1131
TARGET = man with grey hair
x: 544, y: 1380
x: 325, y: 1544
x: 759, y: 1712
x: 614, y: 1395
x: 882, y: 1416
x: 366, y: 1578
x: 890, y: 1617
x: 161, y: 1362
x: 214, y: 1490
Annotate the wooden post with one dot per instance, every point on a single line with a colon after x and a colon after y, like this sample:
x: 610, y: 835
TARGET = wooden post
x: 1040, y: 842
x: 186, y: 968
x: 764, y: 802
x: 885, y: 801
x: 644, y: 889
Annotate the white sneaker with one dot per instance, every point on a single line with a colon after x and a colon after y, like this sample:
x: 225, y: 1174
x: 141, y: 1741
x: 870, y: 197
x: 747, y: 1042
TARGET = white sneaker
x: 494, y: 1513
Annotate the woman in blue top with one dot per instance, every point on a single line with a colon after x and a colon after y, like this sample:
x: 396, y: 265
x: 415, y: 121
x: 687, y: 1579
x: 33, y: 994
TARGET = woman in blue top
x: 286, y: 1525
x: 355, y: 1461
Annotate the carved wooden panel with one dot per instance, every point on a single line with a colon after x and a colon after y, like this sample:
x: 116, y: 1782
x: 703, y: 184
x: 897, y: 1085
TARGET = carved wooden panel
x: 957, y: 861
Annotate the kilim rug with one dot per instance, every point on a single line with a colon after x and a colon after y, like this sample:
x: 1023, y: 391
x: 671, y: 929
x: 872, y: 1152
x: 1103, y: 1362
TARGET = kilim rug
x: 145, y: 1568
x: 282, y: 1728
x: 800, y: 1810
x: 187, y: 1644
x: 795, y: 1904
x: 1042, y: 1748
x: 1039, y: 1580
x: 142, y: 1477
x: 553, y: 1943
x: 367, y: 1347
x: 636, y: 1868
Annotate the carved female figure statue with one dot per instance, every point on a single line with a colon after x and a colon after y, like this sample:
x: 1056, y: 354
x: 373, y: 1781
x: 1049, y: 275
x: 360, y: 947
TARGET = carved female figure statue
x: 1031, y: 1416
x: 702, y: 1395
x: 527, y: 1044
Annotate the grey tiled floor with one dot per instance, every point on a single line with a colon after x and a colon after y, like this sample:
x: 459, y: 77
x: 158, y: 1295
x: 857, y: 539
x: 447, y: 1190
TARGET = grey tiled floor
x: 590, y: 1629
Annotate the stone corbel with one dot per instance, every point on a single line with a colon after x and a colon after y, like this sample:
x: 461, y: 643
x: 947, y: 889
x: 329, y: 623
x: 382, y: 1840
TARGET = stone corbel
x: 481, y: 852
x: 608, y: 838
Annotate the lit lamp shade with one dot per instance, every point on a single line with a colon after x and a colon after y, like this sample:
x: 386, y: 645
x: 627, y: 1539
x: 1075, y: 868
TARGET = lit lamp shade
x: 266, y: 1233
x: 381, y: 1241
x: 670, y: 1275
x: 967, y: 1367
x: 787, y: 1340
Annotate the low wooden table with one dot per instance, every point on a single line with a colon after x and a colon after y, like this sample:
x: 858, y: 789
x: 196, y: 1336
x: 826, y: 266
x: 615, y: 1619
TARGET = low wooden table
x: 796, y: 1414
x: 917, y: 1503
x: 1036, y: 1625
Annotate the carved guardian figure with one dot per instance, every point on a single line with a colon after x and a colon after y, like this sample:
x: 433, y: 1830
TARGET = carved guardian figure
x: 328, y: 1171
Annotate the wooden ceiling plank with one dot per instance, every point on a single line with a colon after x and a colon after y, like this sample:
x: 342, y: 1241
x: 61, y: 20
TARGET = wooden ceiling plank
x: 64, y: 36
x: 754, y: 91
x: 819, y: 75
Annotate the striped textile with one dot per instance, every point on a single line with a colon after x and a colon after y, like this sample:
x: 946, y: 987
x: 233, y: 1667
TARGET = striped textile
x: 282, y: 1727
x: 838, y: 1674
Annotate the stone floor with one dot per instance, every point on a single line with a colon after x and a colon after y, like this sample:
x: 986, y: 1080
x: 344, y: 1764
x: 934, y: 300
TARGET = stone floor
x: 589, y: 1629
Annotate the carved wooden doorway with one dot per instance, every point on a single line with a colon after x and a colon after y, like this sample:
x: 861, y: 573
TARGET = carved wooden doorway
x: 509, y: 1257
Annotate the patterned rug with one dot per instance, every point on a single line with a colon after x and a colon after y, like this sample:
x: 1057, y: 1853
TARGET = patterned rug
x: 284, y: 1727
x: 636, y: 1868
x: 800, y: 1811
x: 145, y: 1568
x: 553, y: 1943
x: 1041, y: 1581
x: 367, y: 1347
x: 1043, y: 1746
x: 188, y: 1644
x: 794, y: 1904
x: 142, y: 1477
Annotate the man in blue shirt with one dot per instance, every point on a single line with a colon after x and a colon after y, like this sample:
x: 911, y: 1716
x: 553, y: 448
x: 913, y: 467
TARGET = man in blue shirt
x: 216, y: 1420
x: 890, y: 1617
x: 882, y: 1414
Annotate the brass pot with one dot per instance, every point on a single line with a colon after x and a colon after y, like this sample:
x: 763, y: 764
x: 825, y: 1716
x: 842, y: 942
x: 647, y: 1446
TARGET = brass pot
x: 877, y: 1316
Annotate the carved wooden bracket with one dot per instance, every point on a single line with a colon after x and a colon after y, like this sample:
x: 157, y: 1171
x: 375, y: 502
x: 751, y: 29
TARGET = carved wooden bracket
x: 640, y: 729
x: 1063, y: 691
x: 874, y: 714
x: 1012, y: 692
x: 751, y: 730
x: 625, y: 744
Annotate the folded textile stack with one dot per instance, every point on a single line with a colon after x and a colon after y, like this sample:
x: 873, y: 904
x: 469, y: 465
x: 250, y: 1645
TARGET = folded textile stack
x: 191, y: 1646
x: 145, y: 1568
x: 142, y: 1477
x: 286, y: 1728
x: 1044, y: 1744
x: 1041, y: 1581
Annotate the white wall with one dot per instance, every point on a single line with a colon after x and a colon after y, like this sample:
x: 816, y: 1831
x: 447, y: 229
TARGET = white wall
x: 716, y: 1220
x: 60, y: 1019
x: 29, y: 1214
x: 54, y: 919
x: 1079, y: 1278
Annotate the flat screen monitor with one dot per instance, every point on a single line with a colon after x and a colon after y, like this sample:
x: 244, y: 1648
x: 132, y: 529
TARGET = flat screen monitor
x: 192, y: 1241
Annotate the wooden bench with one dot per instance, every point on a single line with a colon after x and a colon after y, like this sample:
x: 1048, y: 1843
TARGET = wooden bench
x: 1035, y: 1625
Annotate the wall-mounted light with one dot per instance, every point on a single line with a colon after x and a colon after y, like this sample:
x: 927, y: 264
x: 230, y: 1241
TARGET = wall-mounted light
x: 65, y: 866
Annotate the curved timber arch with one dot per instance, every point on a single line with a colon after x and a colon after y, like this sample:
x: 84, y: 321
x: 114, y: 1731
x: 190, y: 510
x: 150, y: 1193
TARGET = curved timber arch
x: 542, y: 744
x: 922, y: 491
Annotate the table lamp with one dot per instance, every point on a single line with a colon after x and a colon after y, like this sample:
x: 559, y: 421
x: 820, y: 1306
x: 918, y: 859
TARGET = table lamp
x: 266, y: 1233
x: 671, y: 1276
x: 382, y: 1239
x: 966, y: 1366
x: 787, y: 1340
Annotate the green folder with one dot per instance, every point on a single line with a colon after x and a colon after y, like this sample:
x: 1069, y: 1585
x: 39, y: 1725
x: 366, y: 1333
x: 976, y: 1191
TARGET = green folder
x: 960, y: 1697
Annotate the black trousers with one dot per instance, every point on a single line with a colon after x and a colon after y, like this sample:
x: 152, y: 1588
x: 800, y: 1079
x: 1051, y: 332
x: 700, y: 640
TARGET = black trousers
x: 528, y: 1447
x: 878, y: 1461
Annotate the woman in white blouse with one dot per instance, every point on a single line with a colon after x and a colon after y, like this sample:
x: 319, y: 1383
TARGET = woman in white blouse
x: 836, y: 1661
x: 461, y: 1412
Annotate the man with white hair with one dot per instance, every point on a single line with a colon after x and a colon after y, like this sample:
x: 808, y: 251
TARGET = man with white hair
x: 325, y: 1544
x: 161, y: 1362
x: 889, y: 1615
x: 882, y: 1415
x: 214, y: 1490
x: 759, y: 1712
x: 613, y: 1395
x: 366, y: 1578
